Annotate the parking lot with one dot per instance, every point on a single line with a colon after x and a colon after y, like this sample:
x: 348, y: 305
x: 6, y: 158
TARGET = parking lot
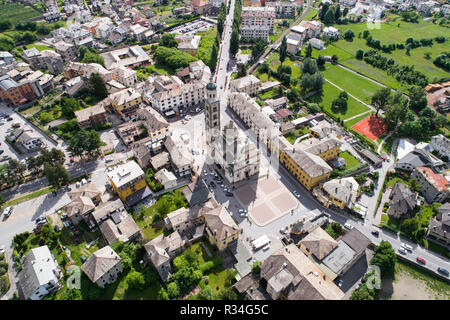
x: 192, y: 28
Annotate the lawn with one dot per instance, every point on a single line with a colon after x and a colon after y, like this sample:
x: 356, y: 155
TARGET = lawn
x: 350, y: 160
x: 160, y: 69
x: 279, y: 29
x: 16, y: 12
x: 311, y: 14
x: 351, y: 123
x: 40, y: 47
x: 274, y: 62
x: 206, y: 44
x: 388, y: 33
x: 391, y: 181
x: 29, y: 196
x: 291, y: 137
x: 330, y: 93
x: 353, y: 84
x: 392, y: 223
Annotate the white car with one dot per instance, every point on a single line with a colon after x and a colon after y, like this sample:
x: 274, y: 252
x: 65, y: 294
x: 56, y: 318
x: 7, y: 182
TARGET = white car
x: 243, y: 214
x: 407, y: 247
x: 296, y: 193
x: 348, y: 226
x: 7, y: 212
x: 2, y: 249
x: 402, y: 250
x: 188, y: 117
x: 243, y: 211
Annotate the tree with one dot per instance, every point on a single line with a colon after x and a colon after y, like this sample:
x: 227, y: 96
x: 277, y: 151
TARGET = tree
x: 337, y: 13
x: 172, y: 290
x: 57, y: 175
x: 329, y: 16
x: 308, y: 50
x: 418, y: 98
x: 85, y: 142
x: 173, y: 57
x: 206, y: 294
x: 168, y: 40
x: 363, y: 293
x: 71, y: 294
x: 349, y: 35
x: 334, y: 58
x: 380, y: 99
x: 359, y: 54
x: 234, y: 42
x: 256, y: 267
x: 68, y: 106
x: 320, y: 61
x: 162, y: 294
x: 410, y: 226
x: 323, y: 10
x: 227, y: 294
x: 384, y: 257
x: 242, y: 72
x: 258, y: 48
x: 135, y: 280
x: 98, y: 86
x: 313, y: 107
x: 309, y: 66
x: 337, y: 228
x: 283, y: 50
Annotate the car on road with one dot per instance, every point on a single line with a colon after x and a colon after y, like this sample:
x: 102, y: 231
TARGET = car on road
x: 284, y: 230
x: 407, y: 247
x: 188, y: 117
x: 421, y: 260
x: 212, y: 184
x: 243, y: 214
x: 9, y: 119
x: 229, y: 194
x: 348, y: 226
x: 376, y: 233
x: 243, y: 211
x: 41, y: 219
x: 108, y: 159
x: 443, y: 271
x: 57, y: 229
x: 7, y: 212
x: 198, y: 109
x: 340, y: 283
x: 383, y: 158
x: 2, y: 249
x: 296, y: 193
x: 402, y: 250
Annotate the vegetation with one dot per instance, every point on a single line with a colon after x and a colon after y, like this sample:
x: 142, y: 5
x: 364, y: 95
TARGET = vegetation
x: 98, y: 86
x: 85, y: 143
x: 88, y: 55
x: 172, y: 57
x: 384, y: 257
x: 57, y: 175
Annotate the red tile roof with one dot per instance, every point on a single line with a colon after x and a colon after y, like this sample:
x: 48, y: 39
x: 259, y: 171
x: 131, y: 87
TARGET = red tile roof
x: 436, y: 179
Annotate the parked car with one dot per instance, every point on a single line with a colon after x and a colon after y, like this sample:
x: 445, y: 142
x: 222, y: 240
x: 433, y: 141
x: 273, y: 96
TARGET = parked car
x: 443, y: 271
x: 9, y: 119
x: 198, y: 110
x: 243, y: 211
x: 1, y: 151
x: 383, y: 158
x: 43, y: 219
x: 83, y: 259
x: 229, y: 194
x: 340, y: 283
x: 421, y: 260
x: 243, y: 214
x: 2, y: 249
x: 407, y: 247
x: 348, y: 226
x: 212, y: 184
x: 296, y: 193
x: 376, y: 233
x: 7, y: 212
x: 402, y: 250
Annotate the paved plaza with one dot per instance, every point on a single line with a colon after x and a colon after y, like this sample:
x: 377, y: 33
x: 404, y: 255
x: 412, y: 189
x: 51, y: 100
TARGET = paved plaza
x: 266, y: 200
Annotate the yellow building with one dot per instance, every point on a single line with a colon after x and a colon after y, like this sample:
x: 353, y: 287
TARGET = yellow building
x: 342, y: 192
x: 128, y: 181
x: 126, y: 102
x: 306, y: 161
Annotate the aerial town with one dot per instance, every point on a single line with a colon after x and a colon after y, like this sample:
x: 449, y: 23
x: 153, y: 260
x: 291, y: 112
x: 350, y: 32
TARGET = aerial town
x: 224, y: 150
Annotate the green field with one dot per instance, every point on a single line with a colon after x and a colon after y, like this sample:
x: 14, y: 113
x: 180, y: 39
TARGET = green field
x: 274, y: 62
x: 350, y: 160
x: 16, y: 12
x: 330, y: 93
x: 351, y: 123
x: 389, y: 33
x: 40, y: 47
x: 355, y: 85
x: 311, y: 13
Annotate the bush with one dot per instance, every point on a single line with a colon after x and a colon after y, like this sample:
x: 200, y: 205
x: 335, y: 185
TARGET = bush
x: 172, y: 290
x: 206, y: 266
x: 4, y: 283
x: 135, y: 280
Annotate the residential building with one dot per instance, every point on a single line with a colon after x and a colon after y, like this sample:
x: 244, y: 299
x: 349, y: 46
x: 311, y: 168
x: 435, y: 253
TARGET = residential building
x: 318, y: 243
x: 284, y: 9
x: 188, y: 43
x: 157, y: 127
x: 115, y: 223
x: 83, y: 202
x: 180, y: 157
x: 126, y: 57
x: 29, y: 139
x: 220, y: 228
x: 75, y: 69
x: 435, y: 187
x: 255, y: 32
x: 418, y: 158
x: 126, y: 102
x: 197, y: 193
x: 441, y: 144
x: 290, y: 275
x: 20, y: 92
x: 160, y: 252
x: 331, y: 32
x: 250, y: 85
x: 178, y: 220
x: 128, y: 181
x: 258, y: 16
x: 40, y: 274
x: 126, y: 76
x: 313, y: 29
x: 439, y: 228
x: 67, y: 50
x: 402, y: 201
x: 293, y: 41
x: 277, y: 104
x: 342, y: 192
x: 317, y: 44
x: 87, y: 117
x: 200, y: 6
x: 74, y: 34
x: 166, y: 178
x: 103, y: 267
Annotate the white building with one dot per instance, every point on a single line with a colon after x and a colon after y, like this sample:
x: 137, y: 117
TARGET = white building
x: 125, y: 76
x: 317, y: 44
x: 167, y: 178
x: 258, y: 17
x: 331, y: 32
x: 40, y: 274
x: 441, y: 144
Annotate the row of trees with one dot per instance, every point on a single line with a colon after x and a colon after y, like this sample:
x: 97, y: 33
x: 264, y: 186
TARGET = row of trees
x: 221, y: 19
x: 311, y: 78
x: 234, y: 41
x: 329, y: 14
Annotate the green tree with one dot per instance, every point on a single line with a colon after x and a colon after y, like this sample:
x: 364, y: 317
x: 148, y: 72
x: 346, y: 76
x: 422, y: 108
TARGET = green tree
x: 380, y: 99
x: 320, y: 61
x: 283, y: 50
x: 418, y: 98
x: 206, y: 294
x: 359, y: 54
x: 234, y: 42
x: 84, y: 143
x: 168, y: 40
x: 384, y: 257
x: 135, y: 280
x: 69, y: 106
x: 172, y: 290
x: 256, y: 267
x: 227, y: 294
x: 98, y: 86
x: 349, y: 35
x: 329, y: 16
x: 363, y: 293
x: 308, y: 50
x: 56, y: 175
x: 162, y: 294
x: 71, y: 294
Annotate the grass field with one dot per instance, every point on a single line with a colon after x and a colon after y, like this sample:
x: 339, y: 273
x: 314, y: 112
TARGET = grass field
x: 40, y: 47
x: 388, y: 33
x: 16, y: 12
x: 274, y: 62
x: 330, y: 93
x: 350, y: 160
x: 311, y: 13
x: 291, y: 137
x: 351, y: 123
x: 355, y: 85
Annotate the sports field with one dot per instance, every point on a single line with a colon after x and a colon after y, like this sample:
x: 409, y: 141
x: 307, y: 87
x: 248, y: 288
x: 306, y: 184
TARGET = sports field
x: 372, y: 127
